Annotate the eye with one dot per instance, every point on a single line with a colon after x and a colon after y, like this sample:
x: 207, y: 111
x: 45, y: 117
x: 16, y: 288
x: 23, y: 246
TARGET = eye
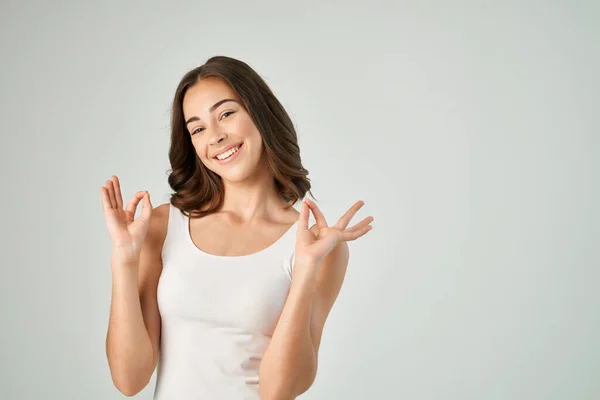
x: 227, y: 112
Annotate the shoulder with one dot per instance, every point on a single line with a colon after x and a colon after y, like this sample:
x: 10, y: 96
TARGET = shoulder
x: 151, y: 254
x: 159, y: 221
x: 161, y: 211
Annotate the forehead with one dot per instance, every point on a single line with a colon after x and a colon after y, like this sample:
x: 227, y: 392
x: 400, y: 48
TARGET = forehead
x: 204, y: 93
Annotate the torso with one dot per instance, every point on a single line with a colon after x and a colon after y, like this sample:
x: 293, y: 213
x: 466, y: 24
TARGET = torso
x: 220, y: 294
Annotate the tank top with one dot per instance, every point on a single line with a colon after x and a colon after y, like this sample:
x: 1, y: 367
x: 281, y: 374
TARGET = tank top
x: 218, y: 314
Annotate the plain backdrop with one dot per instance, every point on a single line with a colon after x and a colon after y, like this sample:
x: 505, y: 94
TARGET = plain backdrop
x: 470, y: 129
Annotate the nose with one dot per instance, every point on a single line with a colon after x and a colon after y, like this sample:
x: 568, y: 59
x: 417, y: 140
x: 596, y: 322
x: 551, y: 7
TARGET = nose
x: 217, y: 137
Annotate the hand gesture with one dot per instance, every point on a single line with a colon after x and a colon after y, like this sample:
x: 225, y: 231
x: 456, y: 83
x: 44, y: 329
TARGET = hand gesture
x: 313, y: 247
x: 127, y: 234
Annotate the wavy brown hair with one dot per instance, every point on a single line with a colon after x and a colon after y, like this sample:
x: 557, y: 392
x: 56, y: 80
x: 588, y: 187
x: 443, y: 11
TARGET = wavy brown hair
x: 198, y: 190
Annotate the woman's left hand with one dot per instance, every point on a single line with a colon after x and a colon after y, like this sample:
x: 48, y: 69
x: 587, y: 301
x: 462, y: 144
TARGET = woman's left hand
x: 313, y: 248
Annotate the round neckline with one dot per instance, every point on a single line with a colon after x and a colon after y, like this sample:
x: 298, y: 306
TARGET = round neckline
x: 199, y: 250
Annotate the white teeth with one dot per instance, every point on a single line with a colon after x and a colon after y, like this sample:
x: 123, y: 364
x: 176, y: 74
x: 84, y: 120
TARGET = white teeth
x: 228, y: 153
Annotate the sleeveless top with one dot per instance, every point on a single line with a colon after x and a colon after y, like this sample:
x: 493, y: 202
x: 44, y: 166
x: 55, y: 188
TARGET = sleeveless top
x: 218, y: 314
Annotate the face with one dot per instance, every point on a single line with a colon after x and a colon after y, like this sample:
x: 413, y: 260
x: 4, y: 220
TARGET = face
x: 222, y: 132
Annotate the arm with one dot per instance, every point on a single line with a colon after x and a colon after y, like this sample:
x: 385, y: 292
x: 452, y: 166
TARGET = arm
x: 134, y: 326
x: 289, y: 365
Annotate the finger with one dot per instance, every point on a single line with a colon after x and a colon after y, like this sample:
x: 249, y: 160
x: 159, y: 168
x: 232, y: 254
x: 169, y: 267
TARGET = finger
x: 135, y: 201
x: 106, y: 204
x: 146, y: 207
x: 361, y: 224
x: 303, y: 218
x: 319, y: 217
x: 347, y: 236
x: 111, y: 193
x: 118, y: 197
x: 345, y: 219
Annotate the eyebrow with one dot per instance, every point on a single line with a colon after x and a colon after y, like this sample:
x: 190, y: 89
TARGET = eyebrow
x: 211, y: 109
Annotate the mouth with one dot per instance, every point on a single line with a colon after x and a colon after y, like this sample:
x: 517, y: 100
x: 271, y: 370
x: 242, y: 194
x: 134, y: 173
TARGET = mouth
x: 229, y: 155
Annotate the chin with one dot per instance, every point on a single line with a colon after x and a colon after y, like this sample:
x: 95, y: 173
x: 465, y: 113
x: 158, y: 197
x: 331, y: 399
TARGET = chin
x: 233, y: 177
x: 238, y: 174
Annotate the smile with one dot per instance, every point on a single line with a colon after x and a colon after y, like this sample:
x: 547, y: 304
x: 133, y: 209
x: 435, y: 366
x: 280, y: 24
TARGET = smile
x: 228, y: 155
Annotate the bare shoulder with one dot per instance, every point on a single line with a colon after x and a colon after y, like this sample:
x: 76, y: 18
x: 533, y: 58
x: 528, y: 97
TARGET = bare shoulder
x: 159, y: 221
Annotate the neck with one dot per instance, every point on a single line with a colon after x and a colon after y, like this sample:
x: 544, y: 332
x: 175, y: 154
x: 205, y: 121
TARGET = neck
x: 255, y: 198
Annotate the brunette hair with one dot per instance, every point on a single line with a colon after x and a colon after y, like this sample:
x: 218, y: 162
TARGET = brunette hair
x: 198, y: 190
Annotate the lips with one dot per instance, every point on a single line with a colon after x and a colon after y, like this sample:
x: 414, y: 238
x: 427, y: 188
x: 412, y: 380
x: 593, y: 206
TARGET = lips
x: 227, y: 149
x: 233, y: 157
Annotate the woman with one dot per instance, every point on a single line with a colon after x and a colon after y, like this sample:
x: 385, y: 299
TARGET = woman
x: 226, y: 282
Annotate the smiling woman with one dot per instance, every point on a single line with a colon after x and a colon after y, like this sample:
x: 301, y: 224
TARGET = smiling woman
x: 225, y: 288
x: 221, y: 104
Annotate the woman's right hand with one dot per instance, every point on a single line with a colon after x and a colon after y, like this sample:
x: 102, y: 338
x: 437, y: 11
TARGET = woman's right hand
x: 127, y: 234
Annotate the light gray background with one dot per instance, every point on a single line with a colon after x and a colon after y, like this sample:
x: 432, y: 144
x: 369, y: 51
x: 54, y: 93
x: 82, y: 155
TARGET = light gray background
x: 470, y: 129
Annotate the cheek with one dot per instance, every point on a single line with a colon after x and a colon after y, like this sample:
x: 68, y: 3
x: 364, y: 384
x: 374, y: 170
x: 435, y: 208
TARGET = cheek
x: 254, y: 135
x: 255, y: 146
x: 200, y: 149
x: 245, y: 126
